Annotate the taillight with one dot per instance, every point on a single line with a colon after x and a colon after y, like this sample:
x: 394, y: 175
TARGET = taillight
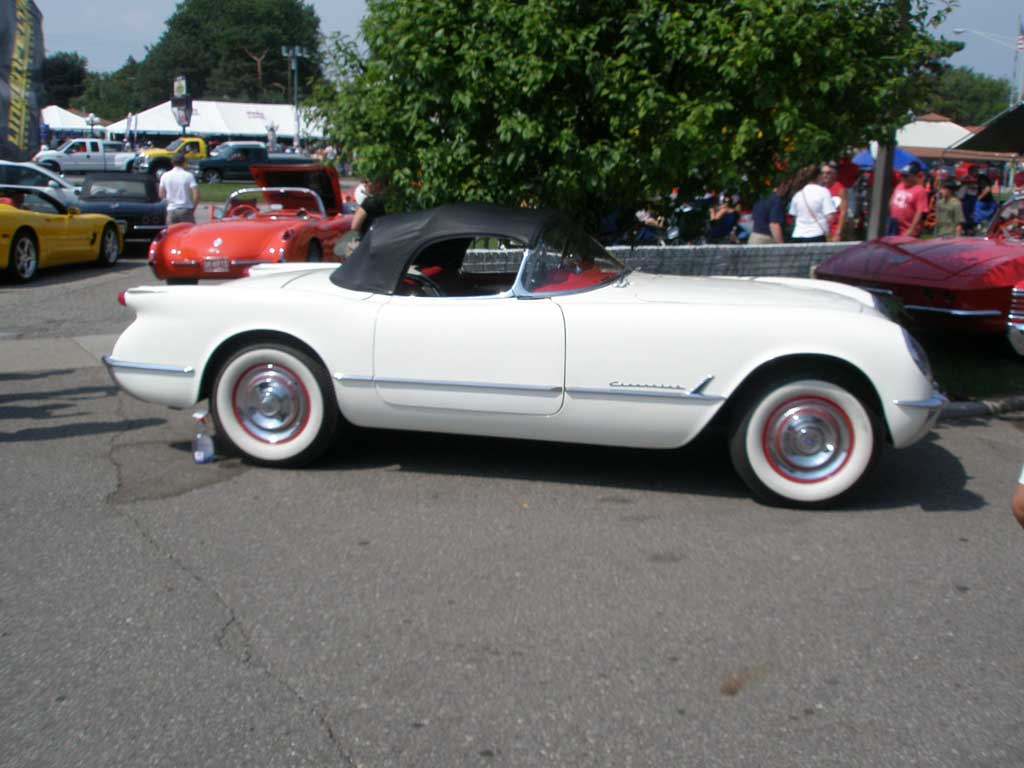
x: 121, y: 299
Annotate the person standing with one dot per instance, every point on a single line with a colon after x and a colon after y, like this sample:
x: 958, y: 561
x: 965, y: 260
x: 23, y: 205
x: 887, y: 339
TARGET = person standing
x: 814, y: 211
x: 830, y: 180
x: 949, y: 212
x: 370, y: 207
x: 769, y: 215
x: 909, y: 203
x: 1018, y: 499
x: 178, y: 187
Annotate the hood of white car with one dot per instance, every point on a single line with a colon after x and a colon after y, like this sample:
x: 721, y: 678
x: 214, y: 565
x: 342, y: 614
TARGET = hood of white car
x: 746, y: 291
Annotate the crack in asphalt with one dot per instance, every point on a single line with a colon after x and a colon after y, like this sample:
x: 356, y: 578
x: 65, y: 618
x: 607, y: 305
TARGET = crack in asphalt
x: 232, y: 638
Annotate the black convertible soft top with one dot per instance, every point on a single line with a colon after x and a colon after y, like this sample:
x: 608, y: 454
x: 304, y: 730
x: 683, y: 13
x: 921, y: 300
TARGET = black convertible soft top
x: 386, y: 251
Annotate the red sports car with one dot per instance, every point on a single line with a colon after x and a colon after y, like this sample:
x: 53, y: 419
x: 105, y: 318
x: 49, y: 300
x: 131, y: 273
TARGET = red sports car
x: 296, y: 213
x: 960, y: 284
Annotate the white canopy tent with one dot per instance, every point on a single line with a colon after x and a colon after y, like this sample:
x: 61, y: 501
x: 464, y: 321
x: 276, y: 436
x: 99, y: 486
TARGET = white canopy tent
x: 221, y: 118
x: 60, y: 119
x: 932, y: 131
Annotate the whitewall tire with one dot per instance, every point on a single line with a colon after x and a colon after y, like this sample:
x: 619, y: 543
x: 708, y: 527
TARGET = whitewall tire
x: 805, y: 441
x: 274, y: 405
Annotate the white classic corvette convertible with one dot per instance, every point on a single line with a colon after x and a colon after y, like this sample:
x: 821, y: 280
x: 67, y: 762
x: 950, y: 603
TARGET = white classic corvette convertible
x: 482, y: 320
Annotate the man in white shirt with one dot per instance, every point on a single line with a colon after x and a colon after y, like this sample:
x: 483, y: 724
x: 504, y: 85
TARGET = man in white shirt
x: 814, y: 211
x: 178, y: 187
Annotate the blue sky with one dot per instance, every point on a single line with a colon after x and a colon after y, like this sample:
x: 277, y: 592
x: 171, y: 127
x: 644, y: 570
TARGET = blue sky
x: 106, y: 32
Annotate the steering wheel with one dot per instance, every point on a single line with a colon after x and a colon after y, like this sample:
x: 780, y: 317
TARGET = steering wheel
x: 421, y: 285
x: 243, y: 210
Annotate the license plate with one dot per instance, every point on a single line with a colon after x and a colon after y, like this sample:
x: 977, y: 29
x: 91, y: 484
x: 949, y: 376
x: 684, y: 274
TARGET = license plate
x: 215, y: 264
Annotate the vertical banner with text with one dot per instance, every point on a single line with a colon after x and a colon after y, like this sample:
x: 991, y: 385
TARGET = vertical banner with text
x: 21, y: 65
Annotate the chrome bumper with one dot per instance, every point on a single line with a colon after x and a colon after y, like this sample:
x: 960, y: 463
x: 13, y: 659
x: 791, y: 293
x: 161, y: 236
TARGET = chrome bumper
x: 172, y: 370
x: 932, y: 406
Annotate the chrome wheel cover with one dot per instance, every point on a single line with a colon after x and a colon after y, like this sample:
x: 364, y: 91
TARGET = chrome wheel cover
x: 26, y: 260
x: 271, y: 403
x: 110, y: 246
x: 808, y: 439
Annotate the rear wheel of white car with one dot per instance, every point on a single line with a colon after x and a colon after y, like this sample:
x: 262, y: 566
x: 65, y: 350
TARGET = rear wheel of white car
x: 802, y: 441
x: 275, y: 405
x: 23, y: 259
x: 110, y: 249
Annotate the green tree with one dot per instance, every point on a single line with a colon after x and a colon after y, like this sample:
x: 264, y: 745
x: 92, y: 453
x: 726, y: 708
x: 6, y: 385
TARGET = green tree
x: 586, y: 105
x: 63, y: 76
x: 965, y: 96
x: 230, y: 49
x: 112, y: 95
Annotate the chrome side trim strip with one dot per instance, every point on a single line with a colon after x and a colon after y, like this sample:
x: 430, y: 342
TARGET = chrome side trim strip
x: 664, y: 394
x: 932, y: 403
x: 880, y: 291
x: 439, y: 384
x: 246, y: 262
x: 172, y: 370
x: 184, y: 263
x: 953, y: 312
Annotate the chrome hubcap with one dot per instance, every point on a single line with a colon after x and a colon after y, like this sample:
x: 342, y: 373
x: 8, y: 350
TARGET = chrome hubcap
x: 110, y: 247
x: 271, y: 403
x: 808, y: 439
x: 25, y: 258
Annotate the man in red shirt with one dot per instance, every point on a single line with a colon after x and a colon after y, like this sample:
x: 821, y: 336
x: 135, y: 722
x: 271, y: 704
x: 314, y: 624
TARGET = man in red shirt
x: 909, y: 202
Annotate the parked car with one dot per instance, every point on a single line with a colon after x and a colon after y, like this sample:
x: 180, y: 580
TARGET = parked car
x: 84, y: 155
x: 37, y: 177
x: 296, y: 214
x: 38, y: 231
x: 232, y: 160
x: 958, y: 285
x: 130, y: 199
x: 157, y: 160
x: 489, y: 321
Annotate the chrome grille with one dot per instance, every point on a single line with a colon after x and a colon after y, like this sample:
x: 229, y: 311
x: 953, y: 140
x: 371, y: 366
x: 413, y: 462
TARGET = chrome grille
x: 1017, y: 306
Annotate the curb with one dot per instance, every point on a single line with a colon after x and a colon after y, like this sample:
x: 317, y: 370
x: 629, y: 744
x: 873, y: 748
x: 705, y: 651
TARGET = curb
x: 973, y: 409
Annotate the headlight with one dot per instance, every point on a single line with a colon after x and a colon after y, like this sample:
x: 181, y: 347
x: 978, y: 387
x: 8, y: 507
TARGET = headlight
x: 917, y: 354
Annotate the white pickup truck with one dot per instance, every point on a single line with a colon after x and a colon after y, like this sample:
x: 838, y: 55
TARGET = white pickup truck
x: 85, y: 155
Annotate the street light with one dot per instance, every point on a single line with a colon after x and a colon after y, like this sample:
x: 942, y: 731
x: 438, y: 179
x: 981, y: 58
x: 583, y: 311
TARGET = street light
x: 1005, y: 42
x: 293, y: 53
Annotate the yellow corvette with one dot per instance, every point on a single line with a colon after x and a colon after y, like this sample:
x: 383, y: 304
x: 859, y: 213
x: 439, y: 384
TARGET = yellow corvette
x: 38, y: 231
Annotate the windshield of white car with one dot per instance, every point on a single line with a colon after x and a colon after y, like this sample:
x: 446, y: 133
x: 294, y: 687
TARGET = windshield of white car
x: 565, y: 259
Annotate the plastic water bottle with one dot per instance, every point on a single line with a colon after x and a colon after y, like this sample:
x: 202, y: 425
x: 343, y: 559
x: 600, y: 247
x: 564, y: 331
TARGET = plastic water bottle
x: 202, y: 443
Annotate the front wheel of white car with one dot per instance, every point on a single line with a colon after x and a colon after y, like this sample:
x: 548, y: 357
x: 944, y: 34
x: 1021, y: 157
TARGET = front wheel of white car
x: 274, y: 405
x: 801, y: 441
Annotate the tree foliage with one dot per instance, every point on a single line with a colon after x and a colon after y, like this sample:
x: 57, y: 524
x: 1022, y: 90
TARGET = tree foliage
x: 965, y: 96
x: 112, y: 94
x: 584, y: 104
x: 227, y: 49
x: 64, y: 75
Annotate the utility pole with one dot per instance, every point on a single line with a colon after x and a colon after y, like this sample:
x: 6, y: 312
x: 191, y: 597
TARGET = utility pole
x: 881, y: 187
x: 293, y: 53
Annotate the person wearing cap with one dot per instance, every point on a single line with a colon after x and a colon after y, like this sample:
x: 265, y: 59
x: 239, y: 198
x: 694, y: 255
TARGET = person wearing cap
x: 178, y: 187
x: 949, y: 211
x: 909, y: 202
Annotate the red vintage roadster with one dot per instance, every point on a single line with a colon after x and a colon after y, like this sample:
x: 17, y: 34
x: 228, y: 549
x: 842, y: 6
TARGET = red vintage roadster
x: 296, y: 213
x: 959, y: 285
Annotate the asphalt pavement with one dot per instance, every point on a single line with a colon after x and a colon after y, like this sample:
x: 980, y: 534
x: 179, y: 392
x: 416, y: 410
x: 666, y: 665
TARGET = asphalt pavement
x: 421, y: 600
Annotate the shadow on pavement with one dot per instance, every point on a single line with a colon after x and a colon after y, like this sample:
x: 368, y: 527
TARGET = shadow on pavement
x: 34, y: 434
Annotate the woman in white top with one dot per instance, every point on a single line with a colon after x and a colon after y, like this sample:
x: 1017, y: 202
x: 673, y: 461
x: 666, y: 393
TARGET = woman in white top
x: 814, y: 210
